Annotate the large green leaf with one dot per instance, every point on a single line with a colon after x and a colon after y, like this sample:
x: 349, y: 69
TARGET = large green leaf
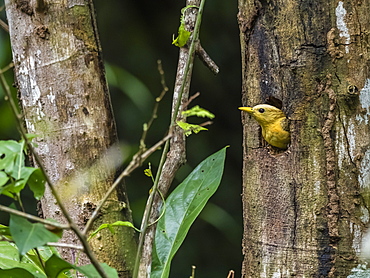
x: 90, y: 271
x: 55, y: 266
x: 16, y: 273
x: 27, y: 235
x: 182, y: 207
x: 12, y: 266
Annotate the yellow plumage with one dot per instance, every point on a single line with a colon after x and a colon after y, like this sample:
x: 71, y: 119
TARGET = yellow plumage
x: 273, y: 122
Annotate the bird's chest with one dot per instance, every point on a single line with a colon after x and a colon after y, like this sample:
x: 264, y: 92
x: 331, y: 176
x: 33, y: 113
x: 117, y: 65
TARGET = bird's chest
x: 274, y: 133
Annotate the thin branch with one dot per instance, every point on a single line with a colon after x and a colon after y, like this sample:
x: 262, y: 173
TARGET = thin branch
x: 4, y: 26
x: 70, y: 221
x: 170, y: 161
x: 206, y: 123
x: 135, y: 162
x: 206, y: 59
x: 65, y: 245
x: 34, y: 218
x: 156, y: 105
x: 197, y: 94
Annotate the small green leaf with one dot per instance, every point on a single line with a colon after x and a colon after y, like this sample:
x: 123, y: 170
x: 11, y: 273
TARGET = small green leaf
x: 183, y: 34
x: 199, y: 112
x: 27, y: 235
x: 183, y: 206
x: 148, y: 172
x: 110, y: 227
x: 36, y: 182
x: 8, y: 154
x: 189, y: 128
x: 3, y: 178
x: 182, y: 38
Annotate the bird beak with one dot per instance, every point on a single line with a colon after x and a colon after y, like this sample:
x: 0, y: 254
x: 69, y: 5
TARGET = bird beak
x: 248, y: 109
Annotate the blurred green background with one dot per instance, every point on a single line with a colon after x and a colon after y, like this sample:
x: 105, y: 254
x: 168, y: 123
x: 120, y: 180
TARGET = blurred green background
x: 134, y: 35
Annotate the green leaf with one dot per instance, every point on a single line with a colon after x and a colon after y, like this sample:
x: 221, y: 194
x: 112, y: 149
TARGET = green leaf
x: 182, y: 207
x: 4, y: 230
x: 199, y: 112
x: 8, y: 154
x: 15, y: 273
x: 55, y: 265
x: 36, y: 182
x: 15, y: 175
x: 3, y: 178
x: 10, y: 261
x: 27, y: 235
x: 183, y: 34
x: 182, y: 38
x: 189, y: 128
x: 91, y: 272
x: 110, y: 227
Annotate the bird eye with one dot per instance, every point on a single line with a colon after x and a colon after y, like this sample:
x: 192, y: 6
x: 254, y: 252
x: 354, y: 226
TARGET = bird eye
x: 261, y: 110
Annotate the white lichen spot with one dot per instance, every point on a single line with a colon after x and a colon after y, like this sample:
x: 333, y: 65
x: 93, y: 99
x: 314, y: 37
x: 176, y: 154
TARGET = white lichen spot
x: 365, y: 245
x: 30, y: 126
x: 351, y: 137
x: 39, y: 112
x: 340, y: 146
x: 365, y: 215
x: 32, y: 63
x: 50, y: 96
x: 341, y: 12
x: 317, y: 187
x: 23, y: 70
x: 364, y: 176
x: 36, y: 93
x: 356, y: 232
x: 365, y: 102
x: 38, y: 55
x: 276, y: 274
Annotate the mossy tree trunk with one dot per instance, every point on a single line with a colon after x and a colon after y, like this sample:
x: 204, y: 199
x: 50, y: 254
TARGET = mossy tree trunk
x: 65, y: 101
x: 304, y: 212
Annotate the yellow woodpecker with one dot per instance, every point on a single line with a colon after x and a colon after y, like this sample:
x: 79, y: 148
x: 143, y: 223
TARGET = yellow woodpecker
x: 275, y: 126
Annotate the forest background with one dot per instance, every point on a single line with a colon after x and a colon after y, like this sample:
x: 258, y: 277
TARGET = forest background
x: 134, y: 35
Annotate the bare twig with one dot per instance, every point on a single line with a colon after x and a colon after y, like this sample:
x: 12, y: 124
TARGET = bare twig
x: 206, y: 59
x: 6, y: 68
x: 231, y: 274
x: 191, y: 98
x: 206, y: 123
x: 34, y: 218
x: 4, y: 26
x: 66, y: 245
x: 155, y: 109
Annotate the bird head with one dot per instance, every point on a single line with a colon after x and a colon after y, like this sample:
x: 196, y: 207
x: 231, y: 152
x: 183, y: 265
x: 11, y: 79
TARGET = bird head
x: 264, y: 113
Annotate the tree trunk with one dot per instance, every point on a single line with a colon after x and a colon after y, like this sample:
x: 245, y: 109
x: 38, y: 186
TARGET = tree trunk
x: 304, y: 213
x: 65, y: 101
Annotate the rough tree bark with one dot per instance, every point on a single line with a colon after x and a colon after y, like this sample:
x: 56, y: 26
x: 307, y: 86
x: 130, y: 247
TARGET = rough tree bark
x: 65, y: 101
x: 304, y: 214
